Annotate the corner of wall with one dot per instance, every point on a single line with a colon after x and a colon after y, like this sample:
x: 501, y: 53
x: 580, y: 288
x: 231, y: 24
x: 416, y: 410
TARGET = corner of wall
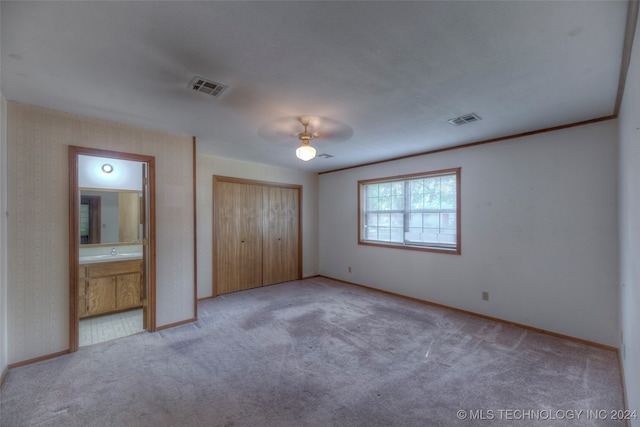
x: 3, y: 241
x: 629, y: 231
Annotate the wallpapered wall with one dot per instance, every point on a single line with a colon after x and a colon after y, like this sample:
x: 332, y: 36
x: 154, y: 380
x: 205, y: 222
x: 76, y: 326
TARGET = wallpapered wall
x: 38, y: 276
x: 3, y: 239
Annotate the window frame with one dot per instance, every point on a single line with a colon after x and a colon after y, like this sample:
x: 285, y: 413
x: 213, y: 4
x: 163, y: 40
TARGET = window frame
x: 457, y: 250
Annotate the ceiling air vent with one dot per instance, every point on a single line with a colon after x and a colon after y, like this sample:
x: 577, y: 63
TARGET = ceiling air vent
x: 463, y: 120
x: 325, y: 156
x: 207, y: 86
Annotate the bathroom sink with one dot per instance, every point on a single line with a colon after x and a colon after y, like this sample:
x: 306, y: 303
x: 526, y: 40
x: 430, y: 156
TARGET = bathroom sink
x: 109, y: 258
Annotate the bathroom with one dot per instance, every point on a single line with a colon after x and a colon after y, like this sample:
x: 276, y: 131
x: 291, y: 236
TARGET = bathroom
x: 111, y: 269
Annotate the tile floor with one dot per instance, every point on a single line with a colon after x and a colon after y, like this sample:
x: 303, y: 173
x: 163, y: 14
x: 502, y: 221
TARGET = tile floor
x: 110, y: 326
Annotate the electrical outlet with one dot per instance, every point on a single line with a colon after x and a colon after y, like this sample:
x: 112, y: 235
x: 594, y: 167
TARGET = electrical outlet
x: 349, y: 269
x: 485, y: 296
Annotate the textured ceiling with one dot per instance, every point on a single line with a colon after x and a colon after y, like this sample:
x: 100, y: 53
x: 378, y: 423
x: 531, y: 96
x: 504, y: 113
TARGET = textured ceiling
x: 378, y: 79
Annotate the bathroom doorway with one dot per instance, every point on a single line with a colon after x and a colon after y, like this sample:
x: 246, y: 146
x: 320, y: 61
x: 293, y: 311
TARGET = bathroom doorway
x: 111, y: 245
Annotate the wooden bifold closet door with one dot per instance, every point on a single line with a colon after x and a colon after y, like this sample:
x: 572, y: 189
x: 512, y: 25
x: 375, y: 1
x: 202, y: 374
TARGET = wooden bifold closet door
x: 256, y: 234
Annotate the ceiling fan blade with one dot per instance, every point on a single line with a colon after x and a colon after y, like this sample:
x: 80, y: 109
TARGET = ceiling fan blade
x: 286, y: 129
x: 281, y: 130
x: 331, y: 130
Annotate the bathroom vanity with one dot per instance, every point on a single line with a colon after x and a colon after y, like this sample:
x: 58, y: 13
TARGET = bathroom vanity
x: 108, y: 285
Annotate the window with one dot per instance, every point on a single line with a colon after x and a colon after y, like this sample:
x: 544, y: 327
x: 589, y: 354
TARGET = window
x: 418, y: 211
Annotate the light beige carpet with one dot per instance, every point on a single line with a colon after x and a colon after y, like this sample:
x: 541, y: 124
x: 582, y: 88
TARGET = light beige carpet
x: 320, y: 353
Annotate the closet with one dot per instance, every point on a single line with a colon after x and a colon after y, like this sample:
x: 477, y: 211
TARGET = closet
x: 257, y: 240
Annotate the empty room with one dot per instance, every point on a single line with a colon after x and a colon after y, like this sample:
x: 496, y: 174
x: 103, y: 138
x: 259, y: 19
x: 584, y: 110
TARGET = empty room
x: 319, y: 213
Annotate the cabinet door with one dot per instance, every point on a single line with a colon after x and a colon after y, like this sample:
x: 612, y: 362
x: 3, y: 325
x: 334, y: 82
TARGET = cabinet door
x: 238, y: 237
x: 82, y: 298
x: 101, y: 295
x: 128, y: 290
x: 280, y: 235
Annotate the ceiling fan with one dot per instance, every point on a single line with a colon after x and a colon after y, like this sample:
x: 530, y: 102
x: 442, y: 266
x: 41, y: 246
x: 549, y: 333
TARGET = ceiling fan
x: 288, y: 129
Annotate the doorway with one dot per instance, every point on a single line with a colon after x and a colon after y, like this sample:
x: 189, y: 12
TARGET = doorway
x: 111, y: 244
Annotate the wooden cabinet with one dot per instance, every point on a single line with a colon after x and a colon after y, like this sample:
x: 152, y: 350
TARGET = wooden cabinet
x: 256, y: 234
x: 110, y: 287
x: 82, y: 291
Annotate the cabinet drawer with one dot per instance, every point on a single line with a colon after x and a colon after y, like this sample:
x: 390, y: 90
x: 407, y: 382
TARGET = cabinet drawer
x: 114, y: 268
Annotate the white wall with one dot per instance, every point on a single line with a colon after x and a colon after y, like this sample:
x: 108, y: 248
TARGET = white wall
x: 3, y: 237
x: 207, y: 166
x: 539, y: 233
x: 38, y: 275
x: 629, y: 121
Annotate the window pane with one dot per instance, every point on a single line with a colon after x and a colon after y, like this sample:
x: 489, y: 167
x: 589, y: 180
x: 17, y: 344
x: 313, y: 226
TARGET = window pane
x: 373, y: 204
x: 397, y: 235
x: 384, y: 234
x: 415, y: 220
x: 384, y: 203
x: 417, y: 194
x: 397, y: 203
x: 414, y: 235
x: 431, y: 220
x: 384, y: 190
x: 448, y: 192
x: 397, y: 220
x: 448, y: 221
x: 372, y: 233
x: 432, y: 193
x: 448, y: 238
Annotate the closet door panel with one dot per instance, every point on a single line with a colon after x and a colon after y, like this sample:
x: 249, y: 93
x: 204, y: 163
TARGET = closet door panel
x: 238, y: 237
x: 280, y: 234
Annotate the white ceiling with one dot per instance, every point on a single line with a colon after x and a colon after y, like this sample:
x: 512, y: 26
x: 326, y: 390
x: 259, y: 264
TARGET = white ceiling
x: 386, y: 75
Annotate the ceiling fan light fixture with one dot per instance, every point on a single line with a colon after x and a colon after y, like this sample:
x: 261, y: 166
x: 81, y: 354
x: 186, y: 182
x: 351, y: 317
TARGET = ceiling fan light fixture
x: 305, y: 152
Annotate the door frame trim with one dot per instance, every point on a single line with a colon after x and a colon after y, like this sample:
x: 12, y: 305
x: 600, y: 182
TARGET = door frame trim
x: 74, y: 238
x: 221, y: 178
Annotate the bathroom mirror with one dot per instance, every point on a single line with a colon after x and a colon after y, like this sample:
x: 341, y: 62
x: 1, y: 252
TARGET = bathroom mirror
x: 110, y: 216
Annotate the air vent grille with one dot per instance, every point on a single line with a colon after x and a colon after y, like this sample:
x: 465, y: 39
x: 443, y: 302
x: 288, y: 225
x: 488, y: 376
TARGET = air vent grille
x: 325, y: 156
x: 209, y: 87
x: 463, y: 120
